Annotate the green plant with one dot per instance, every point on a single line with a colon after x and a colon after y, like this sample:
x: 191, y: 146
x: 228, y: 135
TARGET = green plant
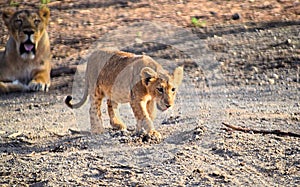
x: 139, y: 34
x: 45, y: 1
x: 13, y: 3
x: 197, y: 23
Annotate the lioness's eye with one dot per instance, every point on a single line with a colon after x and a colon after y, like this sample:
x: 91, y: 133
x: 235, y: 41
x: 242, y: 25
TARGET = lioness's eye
x: 18, y: 22
x: 173, y: 89
x: 160, y: 90
x: 37, y: 21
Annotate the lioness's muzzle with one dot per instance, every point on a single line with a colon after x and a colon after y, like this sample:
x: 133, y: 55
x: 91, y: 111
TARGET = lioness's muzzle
x: 27, y: 47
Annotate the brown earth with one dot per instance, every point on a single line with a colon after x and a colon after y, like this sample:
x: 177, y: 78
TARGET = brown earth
x: 242, y: 63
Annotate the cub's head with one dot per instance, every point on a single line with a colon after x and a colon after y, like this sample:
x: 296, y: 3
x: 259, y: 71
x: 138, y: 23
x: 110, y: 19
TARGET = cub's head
x: 26, y: 28
x: 162, y: 87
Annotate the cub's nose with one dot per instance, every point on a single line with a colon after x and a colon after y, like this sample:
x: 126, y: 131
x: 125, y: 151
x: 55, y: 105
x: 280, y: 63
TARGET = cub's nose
x: 168, y: 105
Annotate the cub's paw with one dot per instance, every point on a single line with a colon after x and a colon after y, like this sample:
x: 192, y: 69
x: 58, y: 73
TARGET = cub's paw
x: 96, y: 127
x: 38, y: 86
x: 153, y: 135
x: 118, y: 126
x: 97, y: 130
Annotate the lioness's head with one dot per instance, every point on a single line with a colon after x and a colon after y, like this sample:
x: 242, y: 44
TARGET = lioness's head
x: 26, y: 28
x: 162, y: 87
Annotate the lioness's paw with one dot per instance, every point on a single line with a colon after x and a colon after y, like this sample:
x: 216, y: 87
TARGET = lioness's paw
x: 38, y: 86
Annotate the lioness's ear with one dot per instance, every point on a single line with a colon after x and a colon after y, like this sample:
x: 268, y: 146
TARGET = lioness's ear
x: 178, y: 75
x: 6, y: 15
x: 148, y: 75
x: 44, y: 13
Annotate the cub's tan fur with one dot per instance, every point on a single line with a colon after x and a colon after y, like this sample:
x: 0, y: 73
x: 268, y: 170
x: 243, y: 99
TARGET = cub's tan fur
x: 127, y: 78
x: 25, y: 63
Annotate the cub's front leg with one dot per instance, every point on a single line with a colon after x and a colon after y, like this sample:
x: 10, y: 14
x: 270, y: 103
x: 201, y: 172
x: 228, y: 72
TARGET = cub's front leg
x: 144, y: 119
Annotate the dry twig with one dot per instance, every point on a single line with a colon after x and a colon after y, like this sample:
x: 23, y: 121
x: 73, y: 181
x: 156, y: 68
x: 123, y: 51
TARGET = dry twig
x: 255, y: 131
x: 63, y: 70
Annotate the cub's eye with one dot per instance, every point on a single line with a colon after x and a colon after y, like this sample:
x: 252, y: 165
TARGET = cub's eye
x: 18, y: 22
x: 37, y: 21
x: 173, y: 89
x: 160, y: 90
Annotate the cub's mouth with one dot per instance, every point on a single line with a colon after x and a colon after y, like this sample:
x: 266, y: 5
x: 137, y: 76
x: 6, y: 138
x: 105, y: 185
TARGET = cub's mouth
x: 159, y: 107
x: 27, y: 47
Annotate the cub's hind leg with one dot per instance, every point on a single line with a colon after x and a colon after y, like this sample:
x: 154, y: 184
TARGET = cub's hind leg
x: 113, y: 112
x: 95, y: 111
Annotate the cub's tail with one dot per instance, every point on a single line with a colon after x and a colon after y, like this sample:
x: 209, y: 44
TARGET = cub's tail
x: 81, y: 102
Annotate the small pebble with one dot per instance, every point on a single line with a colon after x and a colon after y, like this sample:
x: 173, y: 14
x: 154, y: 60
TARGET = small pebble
x: 236, y: 16
x: 271, y: 81
x: 255, y: 69
x: 178, y: 13
x: 275, y: 76
x: 213, y: 13
x: 288, y: 41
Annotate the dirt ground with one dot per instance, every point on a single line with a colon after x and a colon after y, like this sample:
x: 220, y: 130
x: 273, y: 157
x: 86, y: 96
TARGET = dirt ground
x: 242, y: 67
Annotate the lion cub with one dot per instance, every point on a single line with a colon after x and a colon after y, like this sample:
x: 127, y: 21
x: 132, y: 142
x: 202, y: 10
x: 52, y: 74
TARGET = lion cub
x: 128, y: 78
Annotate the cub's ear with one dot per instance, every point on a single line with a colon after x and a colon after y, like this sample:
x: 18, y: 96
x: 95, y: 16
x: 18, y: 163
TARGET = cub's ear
x: 178, y: 75
x: 148, y: 75
x: 6, y: 15
x: 44, y: 13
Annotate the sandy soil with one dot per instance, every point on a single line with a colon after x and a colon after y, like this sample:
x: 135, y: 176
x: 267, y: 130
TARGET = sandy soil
x: 242, y: 71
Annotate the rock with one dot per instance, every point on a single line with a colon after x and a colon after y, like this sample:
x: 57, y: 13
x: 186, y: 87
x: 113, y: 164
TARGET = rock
x: 271, y: 81
x: 236, y: 16
x: 275, y: 76
x: 14, y: 135
x: 255, y: 69
x: 55, y: 123
x: 59, y: 21
x: 138, y: 41
x: 288, y: 41
x: 213, y: 13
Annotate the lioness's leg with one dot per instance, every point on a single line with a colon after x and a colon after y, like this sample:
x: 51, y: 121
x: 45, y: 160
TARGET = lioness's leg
x: 113, y: 112
x: 12, y: 87
x: 143, y: 118
x: 40, y: 81
x: 95, y: 111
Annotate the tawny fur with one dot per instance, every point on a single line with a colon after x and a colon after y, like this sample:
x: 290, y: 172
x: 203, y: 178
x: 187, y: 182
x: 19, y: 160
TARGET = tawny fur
x: 25, y: 62
x: 127, y: 78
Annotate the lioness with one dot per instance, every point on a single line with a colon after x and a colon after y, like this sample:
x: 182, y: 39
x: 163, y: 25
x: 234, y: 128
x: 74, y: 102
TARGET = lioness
x: 128, y: 78
x: 25, y: 63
